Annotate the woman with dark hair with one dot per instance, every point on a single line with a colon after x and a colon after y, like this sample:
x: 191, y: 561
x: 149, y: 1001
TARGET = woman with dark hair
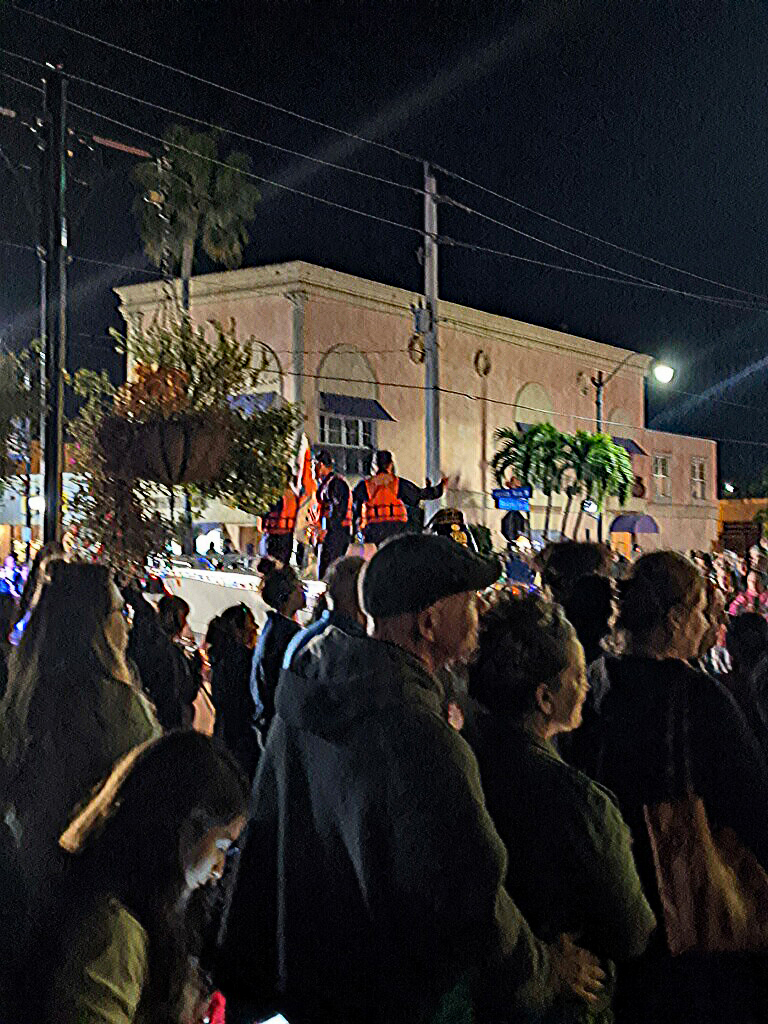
x: 570, y: 866
x: 231, y: 638
x: 36, y: 580
x: 71, y: 708
x: 659, y: 718
x: 283, y: 592
x: 127, y: 936
x: 184, y: 666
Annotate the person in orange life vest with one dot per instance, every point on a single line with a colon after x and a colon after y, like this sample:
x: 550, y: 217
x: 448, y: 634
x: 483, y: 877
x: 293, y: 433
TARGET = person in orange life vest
x: 279, y: 523
x: 332, y: 532
x: 380, y: 502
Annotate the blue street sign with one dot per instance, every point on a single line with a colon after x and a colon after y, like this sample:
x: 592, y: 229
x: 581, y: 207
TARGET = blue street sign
x: 512, y: 499
x: 509, y: 504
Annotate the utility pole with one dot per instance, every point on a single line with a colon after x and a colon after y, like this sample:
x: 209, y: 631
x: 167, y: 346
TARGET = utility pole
x: 431, y: 352
x: 54, y: 242
x: 598, y: 382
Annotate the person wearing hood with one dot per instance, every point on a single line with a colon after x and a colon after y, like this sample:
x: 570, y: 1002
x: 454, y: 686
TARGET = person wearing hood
x: 342, y: 606
x: 370, y: 885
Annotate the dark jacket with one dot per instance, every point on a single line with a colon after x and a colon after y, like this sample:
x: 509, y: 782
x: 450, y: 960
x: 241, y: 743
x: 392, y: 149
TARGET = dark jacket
x: 335, y: 491
x: 276, y: 634
x: 630, y: 753
x: 370, y: 844
x: 329, y: 618
x: 233, y: 701
x: 408, y: 492
x: 167, y: 675
x: 570, y: 864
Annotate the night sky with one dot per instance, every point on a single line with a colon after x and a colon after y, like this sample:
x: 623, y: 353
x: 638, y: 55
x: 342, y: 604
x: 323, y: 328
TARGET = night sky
x: 642, y: 123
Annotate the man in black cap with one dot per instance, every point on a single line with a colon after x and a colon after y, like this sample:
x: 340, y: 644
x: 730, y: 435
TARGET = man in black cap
x: 380, y: 503
x: 369, y: 888
x: 333, y: 512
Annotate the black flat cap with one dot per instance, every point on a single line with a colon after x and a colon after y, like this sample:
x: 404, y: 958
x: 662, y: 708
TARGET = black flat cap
x: 413, y: 571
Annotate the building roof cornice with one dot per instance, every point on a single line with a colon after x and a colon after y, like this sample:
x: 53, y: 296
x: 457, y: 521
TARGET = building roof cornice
x: 324, y: 283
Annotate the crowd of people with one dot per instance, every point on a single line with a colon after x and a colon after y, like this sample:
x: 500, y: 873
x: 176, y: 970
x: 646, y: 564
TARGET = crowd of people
x: 449, y: 799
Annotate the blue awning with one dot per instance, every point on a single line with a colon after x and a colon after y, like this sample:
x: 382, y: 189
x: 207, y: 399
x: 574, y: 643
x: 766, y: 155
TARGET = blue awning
x: 256, y: 403
x: 351, y: 405
x: 630, y: 447
x: 630, y: 522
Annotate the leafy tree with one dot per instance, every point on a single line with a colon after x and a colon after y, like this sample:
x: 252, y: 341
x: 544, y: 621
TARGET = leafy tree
x: 515, y: 457
x: 549, y: 450
x: 608, y: 474
x: 576, y: 452
x: 534, y: 457
x: 176, y: 425
x: 195, y: 204
x: 594, y: 466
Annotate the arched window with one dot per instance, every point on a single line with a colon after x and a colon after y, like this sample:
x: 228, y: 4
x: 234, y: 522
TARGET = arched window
x: 533, y: 405
x: 269, y: 387
x: 348, y: 408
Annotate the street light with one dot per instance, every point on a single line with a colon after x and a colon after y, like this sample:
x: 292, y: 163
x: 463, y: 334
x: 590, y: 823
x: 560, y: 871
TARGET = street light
x: 663, y: 373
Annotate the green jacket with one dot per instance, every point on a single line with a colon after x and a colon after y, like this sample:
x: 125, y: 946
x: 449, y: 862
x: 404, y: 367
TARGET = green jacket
x: 68, y: 753
x: 370, y: 883
x: 104, y: 971
x: 571, y: 868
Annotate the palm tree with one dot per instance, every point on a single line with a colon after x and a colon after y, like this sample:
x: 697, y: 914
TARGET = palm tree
x: 608, y: 473
x: 516, y: 456
x: 548, y: 445
x: 576, y: 451
x: 188, y: 202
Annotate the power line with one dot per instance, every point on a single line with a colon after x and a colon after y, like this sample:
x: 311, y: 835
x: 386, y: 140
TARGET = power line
x: 732, y: 303
x: 380, y: 145
x: 410, y: 188
x: 516, y: 405
x: 250, y: 174
x: 21, y: 56
x: 117, y: 266
x: 397, y: 351
x: 18, y: 245
x: 223, y: 88
x: 604, y: 266
x: 596, y: 238
x: 20, y: 81
x: 641, y: 283
x: 249, y: 138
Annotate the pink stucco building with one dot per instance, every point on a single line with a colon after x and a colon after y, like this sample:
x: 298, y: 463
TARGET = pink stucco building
x: 341, y: 346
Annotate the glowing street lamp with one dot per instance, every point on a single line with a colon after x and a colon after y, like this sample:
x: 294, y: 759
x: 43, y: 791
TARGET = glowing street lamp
x: 663, y: 372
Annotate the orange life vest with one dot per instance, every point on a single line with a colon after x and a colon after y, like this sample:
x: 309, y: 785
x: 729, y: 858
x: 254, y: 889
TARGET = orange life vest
x: 382, y: 504
x: 282, y: 520
x: 324, y: 505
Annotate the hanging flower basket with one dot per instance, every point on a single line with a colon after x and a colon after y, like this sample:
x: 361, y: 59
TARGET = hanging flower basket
x: 182, y: 450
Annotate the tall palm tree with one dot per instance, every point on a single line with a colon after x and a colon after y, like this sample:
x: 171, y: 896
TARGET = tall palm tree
x: 549, y: 451
x: 516, y: 455
x: 576, y: 451
x: 195, y: 204
x: 608, y: 473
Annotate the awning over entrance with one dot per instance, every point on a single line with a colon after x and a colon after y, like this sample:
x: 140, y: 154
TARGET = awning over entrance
x: 353, y: 406
x: 632, y: 523
x: 630, y: 447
